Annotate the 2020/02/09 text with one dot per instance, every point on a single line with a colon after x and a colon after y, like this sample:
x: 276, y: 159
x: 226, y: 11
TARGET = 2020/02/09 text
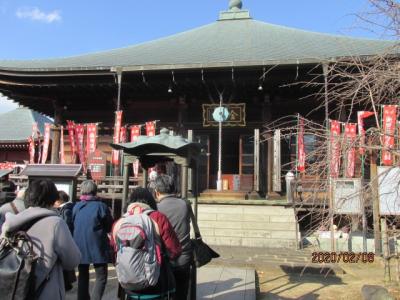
x: 345, y: 257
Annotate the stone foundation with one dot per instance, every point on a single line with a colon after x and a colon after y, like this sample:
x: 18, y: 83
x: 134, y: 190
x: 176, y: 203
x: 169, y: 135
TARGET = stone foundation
x: 248, y: 225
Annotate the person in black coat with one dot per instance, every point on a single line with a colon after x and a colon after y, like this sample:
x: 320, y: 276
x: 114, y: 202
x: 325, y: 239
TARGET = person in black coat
x: 64, y: 209
x: 7, y: 190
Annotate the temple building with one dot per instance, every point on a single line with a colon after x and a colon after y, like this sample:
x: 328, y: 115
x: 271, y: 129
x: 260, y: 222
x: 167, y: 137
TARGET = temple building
x: 15, y: 128
x: 248, y: 65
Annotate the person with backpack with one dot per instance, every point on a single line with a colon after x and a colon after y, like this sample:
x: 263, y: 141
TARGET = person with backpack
x: 53, y: 248
x: 177, y: 212
x: 92, y: 221
x: 64, y: 209
x: 145, y: 242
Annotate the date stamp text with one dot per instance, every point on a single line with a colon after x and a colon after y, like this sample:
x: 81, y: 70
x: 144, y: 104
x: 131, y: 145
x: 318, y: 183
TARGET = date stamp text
x: 345, y: 257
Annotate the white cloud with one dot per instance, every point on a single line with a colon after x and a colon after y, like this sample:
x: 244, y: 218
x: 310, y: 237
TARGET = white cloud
x: 6, y: 105
x: 35, y: 14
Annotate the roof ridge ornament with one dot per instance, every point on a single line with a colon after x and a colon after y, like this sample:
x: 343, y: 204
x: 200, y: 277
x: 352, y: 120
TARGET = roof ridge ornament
x: 235, y: 5
x: 235, y: 11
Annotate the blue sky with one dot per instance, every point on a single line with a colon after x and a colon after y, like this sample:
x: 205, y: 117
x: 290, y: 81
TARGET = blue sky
x: 52, y: 28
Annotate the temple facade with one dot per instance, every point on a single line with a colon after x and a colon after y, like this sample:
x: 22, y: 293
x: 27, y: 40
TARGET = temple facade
x: 253, y: 68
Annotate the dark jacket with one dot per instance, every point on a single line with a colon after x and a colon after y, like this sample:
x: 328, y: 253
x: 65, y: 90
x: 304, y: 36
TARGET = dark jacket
x: 177, y: 212
x: 92, y: 221
x: 54, y: 245
x: 65, y: 211
x: 6, y: 197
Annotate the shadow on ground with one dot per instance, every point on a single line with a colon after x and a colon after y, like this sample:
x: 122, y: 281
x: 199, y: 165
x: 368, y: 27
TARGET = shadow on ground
x: 294, y: 283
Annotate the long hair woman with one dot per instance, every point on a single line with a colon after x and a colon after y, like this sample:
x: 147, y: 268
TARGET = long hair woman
x: 52, y: 240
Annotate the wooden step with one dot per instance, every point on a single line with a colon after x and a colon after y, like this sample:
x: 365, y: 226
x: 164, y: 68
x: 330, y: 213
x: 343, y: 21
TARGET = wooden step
x: 220, y: 195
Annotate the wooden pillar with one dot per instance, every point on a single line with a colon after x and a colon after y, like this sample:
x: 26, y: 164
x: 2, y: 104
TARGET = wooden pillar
x: 55, y: 144
x: 116, y: 169
x: 190, y: 171
x: 267, y: 117
x: 182, y: 112
x: 145, y: 178
x: 256, y: 181
x: 385, y: 250
x: 375, y: 202
x: 270, y: 164
x: 125, y: 185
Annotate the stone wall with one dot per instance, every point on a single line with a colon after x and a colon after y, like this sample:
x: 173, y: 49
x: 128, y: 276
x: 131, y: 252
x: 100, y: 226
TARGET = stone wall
x: 248, y: 225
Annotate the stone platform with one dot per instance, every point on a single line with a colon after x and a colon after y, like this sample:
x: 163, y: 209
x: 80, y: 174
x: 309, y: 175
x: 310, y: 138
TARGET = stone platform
x: 248, y: 225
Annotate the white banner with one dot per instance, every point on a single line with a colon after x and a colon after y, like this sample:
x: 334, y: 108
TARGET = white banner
x: 276, y: 175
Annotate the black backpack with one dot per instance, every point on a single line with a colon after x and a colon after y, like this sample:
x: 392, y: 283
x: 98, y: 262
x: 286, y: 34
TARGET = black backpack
x: 17, y: 267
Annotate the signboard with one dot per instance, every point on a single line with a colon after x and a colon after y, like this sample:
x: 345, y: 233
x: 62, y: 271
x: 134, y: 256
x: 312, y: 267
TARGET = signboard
x: 236, y: 117
x: 97, y: 163
x: 347, y: 196
x: 65, y: 187
x: 389, y: 190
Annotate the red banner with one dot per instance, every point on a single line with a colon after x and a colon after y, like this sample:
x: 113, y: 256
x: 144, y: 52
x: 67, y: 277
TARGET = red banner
x: 301, y: 153
x: 115, y: 157
x: 35, y: 130
x: 150, y: 131
x: 389, y: 128
x: 151, y: 128
x: 350, y: 134
x: 116, y: 138
x: 46, y: 142
x: 335, y: 149
x: 135, y: 132
x: 91, y: 138
x: 361, y: 115
x: 62, y: 153
x: 117, y: 126
x: 71, y: 132
x: 80, y: 147
x: 31, y: 150
x: 122, y: 136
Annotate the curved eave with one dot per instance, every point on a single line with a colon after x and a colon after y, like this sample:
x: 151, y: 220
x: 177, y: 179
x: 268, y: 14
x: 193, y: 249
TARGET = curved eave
x: 57, y: 72
x: 234, y: 64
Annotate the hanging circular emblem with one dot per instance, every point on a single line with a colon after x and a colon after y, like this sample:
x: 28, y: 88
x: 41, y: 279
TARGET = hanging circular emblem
x: 220, y: 114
